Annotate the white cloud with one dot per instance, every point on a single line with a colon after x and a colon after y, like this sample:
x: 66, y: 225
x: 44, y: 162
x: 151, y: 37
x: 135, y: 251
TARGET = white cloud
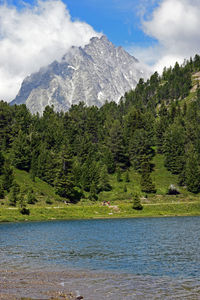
x: 34, y: 37
x: 175, y: 25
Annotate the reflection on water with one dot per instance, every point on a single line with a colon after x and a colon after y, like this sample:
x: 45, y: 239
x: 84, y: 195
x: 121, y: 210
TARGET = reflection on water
x: 128, y: 258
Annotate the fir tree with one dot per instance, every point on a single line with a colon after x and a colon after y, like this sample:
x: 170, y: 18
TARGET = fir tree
x: 2, y: 193
x: 108, y: 160
x: 65, y: 183
x: 173, y: 148
x: 136, y: 203
x: 31, y: 199
x: 7, y: 177
x: 1, y: 162
x: 119, y: 175
x: 127, y: 178
x: 117, y: 145
x: 104, y: 184
x: 14, y: 194
x: 93, y: 192
x: 192, y: 171
x: 21, y: 152
x: 146, y: 182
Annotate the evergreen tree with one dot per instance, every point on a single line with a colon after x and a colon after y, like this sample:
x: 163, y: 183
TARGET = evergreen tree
x: 119, y: 175
x: 7, y: 177
x: 34, y: 166
x: 192, y: 171
x: 173, y: 148
x: 1, y: 162
x: 108, y: 160
x: 136, y: 203
x: 125, y: 189
x: 23, y: 208
x: 104, y: 184
x: 117, y: 145
x: 21, y: 152
x: 65, y: 183
x: 2, y: 194
x: 140, y: 148
x: 93, y: 192
x: 14, y: 194
x: 127, y: 178
x: 31, y: 199
x: 146, y: 182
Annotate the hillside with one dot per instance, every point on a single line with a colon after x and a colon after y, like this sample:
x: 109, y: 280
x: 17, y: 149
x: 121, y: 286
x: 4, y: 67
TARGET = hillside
x: 145, y: 151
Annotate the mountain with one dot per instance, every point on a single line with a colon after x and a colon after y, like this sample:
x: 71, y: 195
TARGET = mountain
x: 93, y: 74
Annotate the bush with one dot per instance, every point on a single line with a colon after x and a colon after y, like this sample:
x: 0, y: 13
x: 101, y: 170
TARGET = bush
x: 173, y: 190
x: 49, y: 201
x: 31, y: 199
x: 25, y: 211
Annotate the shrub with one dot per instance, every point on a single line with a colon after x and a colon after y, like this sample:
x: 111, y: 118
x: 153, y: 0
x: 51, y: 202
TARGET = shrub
x: 173, y: 190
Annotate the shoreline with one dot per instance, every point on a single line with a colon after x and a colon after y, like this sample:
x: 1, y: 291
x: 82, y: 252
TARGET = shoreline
x: 72, y: 284
x: 97, y: 211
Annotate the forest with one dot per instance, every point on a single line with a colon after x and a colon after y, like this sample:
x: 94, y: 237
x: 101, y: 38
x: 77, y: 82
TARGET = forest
x: 76, y: 152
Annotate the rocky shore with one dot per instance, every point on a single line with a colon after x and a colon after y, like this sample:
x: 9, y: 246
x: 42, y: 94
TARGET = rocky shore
x: 53, y: 284
x: 29, y: 285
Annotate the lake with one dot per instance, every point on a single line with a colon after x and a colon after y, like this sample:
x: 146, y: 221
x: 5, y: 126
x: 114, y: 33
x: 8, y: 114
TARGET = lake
x: 144, y: 258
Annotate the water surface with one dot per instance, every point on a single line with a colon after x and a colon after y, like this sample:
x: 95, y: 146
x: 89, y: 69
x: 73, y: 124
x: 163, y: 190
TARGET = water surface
x: 152, y: 250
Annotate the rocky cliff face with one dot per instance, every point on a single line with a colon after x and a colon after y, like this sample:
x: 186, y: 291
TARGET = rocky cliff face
x: 93, y: 74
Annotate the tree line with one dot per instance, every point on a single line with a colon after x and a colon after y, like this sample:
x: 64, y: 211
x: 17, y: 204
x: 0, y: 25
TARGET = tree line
x: 75, y: 151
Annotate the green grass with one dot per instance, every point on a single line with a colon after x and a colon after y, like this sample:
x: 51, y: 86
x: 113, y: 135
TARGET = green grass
x: 159, y: 204
x: 42, y: 190
x: 122, y: 210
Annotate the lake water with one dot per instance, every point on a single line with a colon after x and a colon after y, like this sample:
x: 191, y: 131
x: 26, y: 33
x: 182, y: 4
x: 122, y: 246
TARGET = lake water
x: 147, y: 258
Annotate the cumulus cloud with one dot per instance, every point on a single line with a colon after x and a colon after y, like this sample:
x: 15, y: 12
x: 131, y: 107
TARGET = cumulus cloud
x: 174, y: 24
x: 33, y: 37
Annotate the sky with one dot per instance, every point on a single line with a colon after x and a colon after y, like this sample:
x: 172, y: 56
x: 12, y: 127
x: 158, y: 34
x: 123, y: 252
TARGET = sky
x: 33, y: 33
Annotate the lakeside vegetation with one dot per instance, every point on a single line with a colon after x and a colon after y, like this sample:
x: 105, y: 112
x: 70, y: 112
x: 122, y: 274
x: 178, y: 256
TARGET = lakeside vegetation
x: 141, y: 156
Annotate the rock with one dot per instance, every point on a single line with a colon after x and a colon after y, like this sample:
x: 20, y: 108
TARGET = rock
x: 93, y: 74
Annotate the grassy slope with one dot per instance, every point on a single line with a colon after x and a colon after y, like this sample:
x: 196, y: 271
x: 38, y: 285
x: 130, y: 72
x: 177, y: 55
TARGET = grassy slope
x: 121, y: 202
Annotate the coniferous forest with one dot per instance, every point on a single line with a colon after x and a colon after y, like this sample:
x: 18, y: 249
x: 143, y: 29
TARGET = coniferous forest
x: 77, y: 152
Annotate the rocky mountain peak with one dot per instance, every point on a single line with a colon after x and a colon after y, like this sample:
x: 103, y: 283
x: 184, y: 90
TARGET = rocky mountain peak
x: 93, y: 74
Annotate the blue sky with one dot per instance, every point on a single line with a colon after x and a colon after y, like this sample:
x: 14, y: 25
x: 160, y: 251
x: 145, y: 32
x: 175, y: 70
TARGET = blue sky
x: 33, y: 33
x: 119, y: 20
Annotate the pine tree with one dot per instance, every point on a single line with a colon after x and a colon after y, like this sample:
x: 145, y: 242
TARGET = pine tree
x: 104, y: 184
x: 31, y: 199
x: 2, y: 193
x: 34, y: 166
x: 1, y: 162
x: 117, y: 145
x: 23, y: 208
x: 146, y: 182
x: 192, y: 171
x: 136, y: 203
x: 108, y: 160
x: 14, y: 194
x: 93, y: 192
x: 119, y: 174
x: 7, y: 177
x: 21, y: 152
x: 127, y: 178
x: 65, y: 182
x: 174, y: 148
x: 140, y: 148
